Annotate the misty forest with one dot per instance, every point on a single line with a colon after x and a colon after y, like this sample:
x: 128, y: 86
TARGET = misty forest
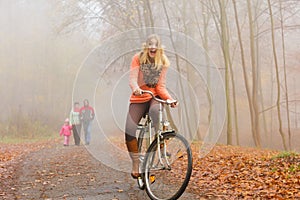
x: 253, y: 44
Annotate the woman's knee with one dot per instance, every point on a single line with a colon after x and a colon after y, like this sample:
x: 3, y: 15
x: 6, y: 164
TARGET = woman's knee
x: 129, y: 137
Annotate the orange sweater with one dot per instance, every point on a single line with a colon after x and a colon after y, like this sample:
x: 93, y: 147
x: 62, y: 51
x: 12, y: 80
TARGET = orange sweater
x: 136, y: 80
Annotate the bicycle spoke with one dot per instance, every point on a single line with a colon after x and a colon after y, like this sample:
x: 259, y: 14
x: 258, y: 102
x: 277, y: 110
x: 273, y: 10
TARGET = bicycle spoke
x: 167, y: 178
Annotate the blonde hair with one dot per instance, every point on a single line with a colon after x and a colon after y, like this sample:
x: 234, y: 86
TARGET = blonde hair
x: 160, y: 58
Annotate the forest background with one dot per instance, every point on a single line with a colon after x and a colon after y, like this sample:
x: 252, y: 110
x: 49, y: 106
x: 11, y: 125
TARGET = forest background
x: 254, y: 43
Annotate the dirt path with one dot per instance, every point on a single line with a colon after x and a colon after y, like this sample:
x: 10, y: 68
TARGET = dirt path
x: 72, y: 173
x: 51, y: 171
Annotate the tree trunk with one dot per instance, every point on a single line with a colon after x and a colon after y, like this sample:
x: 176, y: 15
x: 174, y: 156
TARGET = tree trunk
x: 255, y: 129
x: 277, y: 77
x: 246, y: 80
x: 226, y: 55
x: 285, y: 77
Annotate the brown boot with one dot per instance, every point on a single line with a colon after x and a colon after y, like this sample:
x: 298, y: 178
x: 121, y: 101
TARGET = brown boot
x: 132, y: 147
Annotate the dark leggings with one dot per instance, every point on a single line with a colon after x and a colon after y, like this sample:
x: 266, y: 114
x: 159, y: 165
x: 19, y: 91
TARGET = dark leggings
x: 135, y: 114
x: 76, y: 133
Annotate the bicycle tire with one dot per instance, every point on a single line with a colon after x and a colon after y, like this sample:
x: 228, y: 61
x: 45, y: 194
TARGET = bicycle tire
x: 169, y: 182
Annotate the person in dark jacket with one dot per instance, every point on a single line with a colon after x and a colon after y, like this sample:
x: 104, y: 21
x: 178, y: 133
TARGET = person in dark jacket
x: 87, y: 115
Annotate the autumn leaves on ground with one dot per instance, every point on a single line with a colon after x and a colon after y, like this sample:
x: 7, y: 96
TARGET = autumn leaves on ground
x: 227, y: 172
x: 247, y: 173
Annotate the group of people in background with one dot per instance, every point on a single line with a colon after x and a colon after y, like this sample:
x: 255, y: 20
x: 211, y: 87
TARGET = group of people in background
x: 80, y: 117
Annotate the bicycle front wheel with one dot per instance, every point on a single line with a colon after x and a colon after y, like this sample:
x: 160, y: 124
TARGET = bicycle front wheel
x: 168, y: 170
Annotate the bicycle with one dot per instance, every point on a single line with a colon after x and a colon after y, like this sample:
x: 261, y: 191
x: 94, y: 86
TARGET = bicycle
x: 165, y: 157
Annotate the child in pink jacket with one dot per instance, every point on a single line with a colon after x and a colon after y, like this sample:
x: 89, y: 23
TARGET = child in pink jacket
x: 66, y: 132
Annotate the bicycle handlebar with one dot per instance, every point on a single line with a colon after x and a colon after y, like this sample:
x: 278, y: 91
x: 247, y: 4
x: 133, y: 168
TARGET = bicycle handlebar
x: 168, y: 102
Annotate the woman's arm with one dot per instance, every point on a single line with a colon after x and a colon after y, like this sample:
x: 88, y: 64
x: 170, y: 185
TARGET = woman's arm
x: 134, y: 73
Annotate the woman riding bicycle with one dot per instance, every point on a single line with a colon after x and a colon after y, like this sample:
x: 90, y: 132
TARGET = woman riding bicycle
x: 147, y: 72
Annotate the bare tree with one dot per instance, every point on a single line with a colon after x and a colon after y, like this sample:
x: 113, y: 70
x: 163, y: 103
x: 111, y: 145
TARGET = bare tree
x: 255, y: 128
x: 245, y: 75
x: 221, y: 24
x: 226, y: 54
x: 285, y: 74
x: 277, y: 76
x: 193, y: 18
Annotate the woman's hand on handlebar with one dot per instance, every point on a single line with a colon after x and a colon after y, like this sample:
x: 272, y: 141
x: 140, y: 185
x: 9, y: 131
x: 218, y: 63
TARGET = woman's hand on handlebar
x: 138, y: 92
x: 173, y: 104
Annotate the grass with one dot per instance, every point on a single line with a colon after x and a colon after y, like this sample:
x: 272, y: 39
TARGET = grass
x: 291, y: 166
x: 26, y: 131
x: 285, y: 154
x: 294, y: 168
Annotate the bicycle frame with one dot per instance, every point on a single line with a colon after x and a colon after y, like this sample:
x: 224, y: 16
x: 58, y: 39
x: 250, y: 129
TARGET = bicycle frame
x: 147, y: 127
x: 156, y: 161
x: 161, y: 129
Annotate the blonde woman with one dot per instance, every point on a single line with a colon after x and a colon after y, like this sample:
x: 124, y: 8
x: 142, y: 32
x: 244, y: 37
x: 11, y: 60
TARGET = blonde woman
x: 147, y: 72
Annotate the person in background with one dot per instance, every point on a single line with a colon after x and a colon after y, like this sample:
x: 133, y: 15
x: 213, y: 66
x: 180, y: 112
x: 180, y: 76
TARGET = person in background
x: 87, y: 115
x: 76, y: 123
x: 66, y: 132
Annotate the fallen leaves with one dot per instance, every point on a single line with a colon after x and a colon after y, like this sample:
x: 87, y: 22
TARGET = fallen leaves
x: 246, y: 173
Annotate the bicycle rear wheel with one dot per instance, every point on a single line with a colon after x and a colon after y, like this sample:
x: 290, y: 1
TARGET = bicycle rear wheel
x: 168, y: 171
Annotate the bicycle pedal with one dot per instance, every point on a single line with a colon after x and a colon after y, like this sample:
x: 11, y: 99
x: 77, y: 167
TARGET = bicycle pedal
x: 152, y: 179
x: 141, y: 183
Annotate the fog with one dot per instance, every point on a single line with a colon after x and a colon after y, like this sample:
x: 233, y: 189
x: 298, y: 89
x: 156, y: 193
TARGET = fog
x: 37, y: 64
x: 45, y: 44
